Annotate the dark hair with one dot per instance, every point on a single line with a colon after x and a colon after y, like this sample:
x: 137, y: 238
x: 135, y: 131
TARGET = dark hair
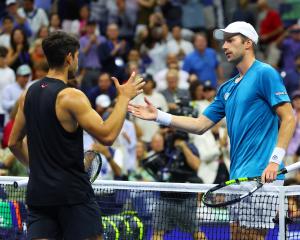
x: 57, y: 46
x: 3, y: 51
x: 193, y: 87
x: 7, y: 17
x: 25, y: 41
x: 149, y: 78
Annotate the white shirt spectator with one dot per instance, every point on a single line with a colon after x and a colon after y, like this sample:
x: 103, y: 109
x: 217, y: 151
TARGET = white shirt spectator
x: 161, y: 82
x: 126, y: 141
x: 10, y: 94
x: 149, y: 127
x: 7, y: 77
x: 5, y: 40
x: 158, y: 56
x: 175, y: 46
x: 36, y: 18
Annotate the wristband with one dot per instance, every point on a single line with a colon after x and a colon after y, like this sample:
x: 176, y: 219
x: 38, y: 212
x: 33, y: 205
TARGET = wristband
x: 163, y: 118
x: 277, y: 155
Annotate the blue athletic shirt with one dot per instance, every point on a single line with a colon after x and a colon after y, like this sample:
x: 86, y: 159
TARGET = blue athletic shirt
x: 251, y: 118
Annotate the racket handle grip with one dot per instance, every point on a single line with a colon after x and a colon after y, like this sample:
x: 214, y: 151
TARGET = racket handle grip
x: 293, y: 167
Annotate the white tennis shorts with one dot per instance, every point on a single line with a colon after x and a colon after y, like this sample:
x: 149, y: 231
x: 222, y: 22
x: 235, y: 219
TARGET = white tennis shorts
x: 258, y: 211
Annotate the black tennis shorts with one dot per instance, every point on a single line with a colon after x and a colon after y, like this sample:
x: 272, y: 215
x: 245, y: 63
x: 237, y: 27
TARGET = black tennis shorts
x: 68, y: 222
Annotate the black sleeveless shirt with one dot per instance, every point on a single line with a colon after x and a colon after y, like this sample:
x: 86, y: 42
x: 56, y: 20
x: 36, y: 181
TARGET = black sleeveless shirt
x: 57, y: 175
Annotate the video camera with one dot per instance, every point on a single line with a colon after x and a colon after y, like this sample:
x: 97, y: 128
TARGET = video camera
x: 184, y: 108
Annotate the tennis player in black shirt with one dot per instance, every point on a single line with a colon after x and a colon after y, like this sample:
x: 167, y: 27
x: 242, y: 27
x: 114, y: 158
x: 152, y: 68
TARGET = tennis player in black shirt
x: 52, y: 117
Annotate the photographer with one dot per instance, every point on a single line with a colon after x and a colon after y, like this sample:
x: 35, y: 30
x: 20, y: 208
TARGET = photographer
x: 179, y: 162
x: 176, y: 160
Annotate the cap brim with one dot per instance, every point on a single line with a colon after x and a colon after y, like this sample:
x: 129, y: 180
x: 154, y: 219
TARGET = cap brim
x: 219, y: 34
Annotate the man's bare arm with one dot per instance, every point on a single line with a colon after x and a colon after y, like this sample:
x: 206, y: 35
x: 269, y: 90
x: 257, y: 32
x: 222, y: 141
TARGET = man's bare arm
x: 17, y: 141
x: 105, y: 132
x: 287, y: 125
x: 192, y: 125
x: 286, y: 131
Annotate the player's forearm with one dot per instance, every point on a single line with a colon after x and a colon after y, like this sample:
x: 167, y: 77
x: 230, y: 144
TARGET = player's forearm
x: 192, y: 125
x: 286, y: 131
x: 20, y: 150
x: 113, y: 125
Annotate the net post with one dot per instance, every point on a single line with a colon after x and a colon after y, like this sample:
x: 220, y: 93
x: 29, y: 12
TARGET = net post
x: 281, y: 212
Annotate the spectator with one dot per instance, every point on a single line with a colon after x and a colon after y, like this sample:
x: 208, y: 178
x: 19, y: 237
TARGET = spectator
x: 145, y: 9
x: 113, y: 53
x: 157, y: 144
x: 19, y: 21
x: 36, y: 51
x: 192, y: 15
x: 179, y: 46
x: 140, y: 173
x: 204, y: 62
x: 196, y: 91
x: 36, y: 17
x: 171, y: 11
x: 292, y: 78
x: 125, y: 19
x: 11, y: 166
x: 91, y: 63
x: 289, y: 44
x: 172, y: 63
x: 13, y: 91
x: 79, y: 26
x: 18, y: 53
x: 173, y: 94
x: 7, y: 78
x: 6, y: 30
x: 9, y: 125
x: 105, y: 86
x: 155, y: 47
x: 99, y: 12
x: 182, y: 159
x: 68, y: 10
x: 112, y: 162
x: 134, y: 56
x: 55, y: 22
x: 43, y: 32
x: 149, y: 128
x: 243, y: 13
x: 126, y: 141
x: 44, y: 4
x: 294, y: 144
x: 270, y: 28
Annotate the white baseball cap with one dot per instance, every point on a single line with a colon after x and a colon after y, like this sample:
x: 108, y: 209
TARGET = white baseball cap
x: 103, y: 100
x: 243, y: 28
x: 9, y: 2
x: 23, y: 70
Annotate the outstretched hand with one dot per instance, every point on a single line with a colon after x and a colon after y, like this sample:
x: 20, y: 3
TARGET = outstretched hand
x: 148, y: 112
x: 130, y: 89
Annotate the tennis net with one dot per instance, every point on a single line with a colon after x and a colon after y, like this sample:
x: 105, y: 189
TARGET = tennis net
x: 139, y: 210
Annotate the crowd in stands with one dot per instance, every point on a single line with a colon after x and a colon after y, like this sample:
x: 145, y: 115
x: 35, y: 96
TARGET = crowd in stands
x: 170, y: 44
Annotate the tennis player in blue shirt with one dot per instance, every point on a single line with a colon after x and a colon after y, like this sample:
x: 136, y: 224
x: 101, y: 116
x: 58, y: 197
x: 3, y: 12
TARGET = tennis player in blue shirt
x: 258, y: 113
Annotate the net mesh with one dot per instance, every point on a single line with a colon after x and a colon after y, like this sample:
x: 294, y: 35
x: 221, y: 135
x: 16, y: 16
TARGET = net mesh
x: 136, y: 211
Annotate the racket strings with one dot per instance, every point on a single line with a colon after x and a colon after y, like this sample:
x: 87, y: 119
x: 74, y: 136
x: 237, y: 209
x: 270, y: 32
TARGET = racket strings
x: 92, y: 164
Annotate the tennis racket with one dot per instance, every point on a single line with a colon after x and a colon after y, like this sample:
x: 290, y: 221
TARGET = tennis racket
x: 92, y: 164
x: 217, y: 197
